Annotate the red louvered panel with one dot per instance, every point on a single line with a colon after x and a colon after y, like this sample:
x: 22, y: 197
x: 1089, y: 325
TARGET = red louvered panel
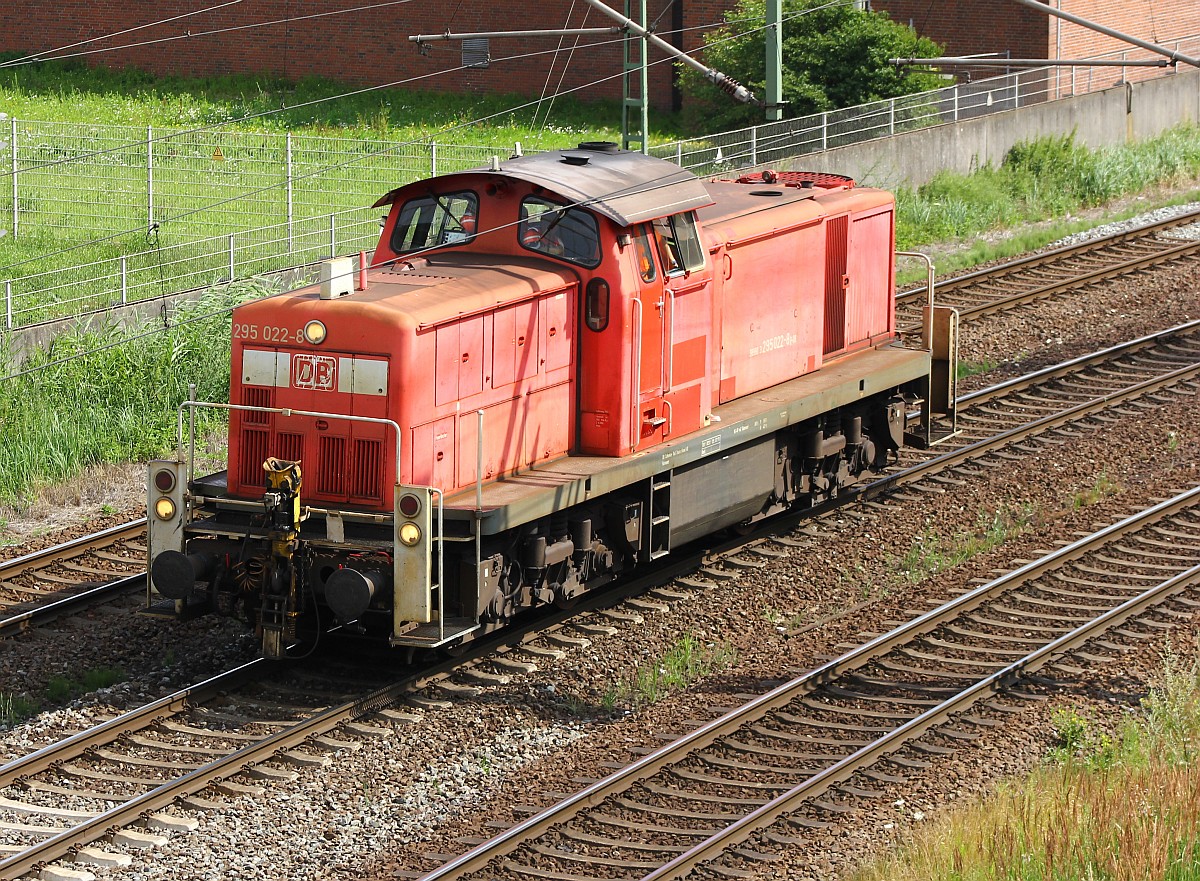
x: 256, y: 396
x: 254, y: 453
x: 837, y: 233
x: 366, y: 481
x: 289, y: 446
x: 331, y: 465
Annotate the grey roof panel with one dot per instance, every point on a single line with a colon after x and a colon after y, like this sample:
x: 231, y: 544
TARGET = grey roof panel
x: 624, y: 186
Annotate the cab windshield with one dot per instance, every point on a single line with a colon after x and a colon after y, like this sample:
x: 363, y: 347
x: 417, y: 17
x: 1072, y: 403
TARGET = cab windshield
x: 436, y: 219
x: 570, y: 234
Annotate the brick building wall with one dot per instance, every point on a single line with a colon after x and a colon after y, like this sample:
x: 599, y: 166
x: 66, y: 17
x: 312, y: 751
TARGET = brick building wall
x: 967, y: 27
x: 368, y: 47
x: 371, y: 47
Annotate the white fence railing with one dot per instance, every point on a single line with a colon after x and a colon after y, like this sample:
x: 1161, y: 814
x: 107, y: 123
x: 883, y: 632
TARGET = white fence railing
x: 205, y: 194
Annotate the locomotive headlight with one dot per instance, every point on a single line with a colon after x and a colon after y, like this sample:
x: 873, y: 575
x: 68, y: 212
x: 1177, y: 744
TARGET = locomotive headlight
x: 410, y: 534
x: 164, y: 509
x: 164, y: 480
x: 314, y: 332
x: 410, y: 505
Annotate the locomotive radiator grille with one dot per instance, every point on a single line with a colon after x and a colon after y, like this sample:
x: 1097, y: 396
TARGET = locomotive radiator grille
x: 290, y: 447
x: 256, y: 396
x: 255, y: 443
x: 331, y: 466
x: 367, y: 476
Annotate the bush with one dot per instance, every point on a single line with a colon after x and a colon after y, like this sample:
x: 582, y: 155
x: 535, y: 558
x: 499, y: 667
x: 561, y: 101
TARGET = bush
x: 833, y: 56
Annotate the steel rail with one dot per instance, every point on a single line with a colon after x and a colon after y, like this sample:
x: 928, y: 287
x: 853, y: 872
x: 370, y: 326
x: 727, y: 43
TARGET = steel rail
x: 44, y: 614
x: 1187, y: 249
x: 477, y: 858
x: 1065, y: 368
x: 129, y: 722
x: 45, y: 555
x: 865, y: 756
x: 1049, y: 257
x: 72, y: 603
x: 1030, y: 429
x: 126, y: 813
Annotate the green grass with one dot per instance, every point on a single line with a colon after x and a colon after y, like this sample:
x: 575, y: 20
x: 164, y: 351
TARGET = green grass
x: 1104, y: 807
x: 15, y: 709
x: 974, y: 368
x: 931, y: 553
x: 344, y: 154
x: 686, y: 661
x: 1045, y: 178
x: 60, y: 689
x: 115, y: 399
x: 1100, y: 489
x: 73, y: 92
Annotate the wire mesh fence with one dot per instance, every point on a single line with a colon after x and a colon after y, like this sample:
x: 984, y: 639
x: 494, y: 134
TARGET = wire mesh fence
x: 164, y: 211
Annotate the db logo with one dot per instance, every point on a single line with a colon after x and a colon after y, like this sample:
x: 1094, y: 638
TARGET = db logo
x: 315, y: 372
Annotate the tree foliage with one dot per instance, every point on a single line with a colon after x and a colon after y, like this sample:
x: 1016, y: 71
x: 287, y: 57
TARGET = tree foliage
x: 834, y: 55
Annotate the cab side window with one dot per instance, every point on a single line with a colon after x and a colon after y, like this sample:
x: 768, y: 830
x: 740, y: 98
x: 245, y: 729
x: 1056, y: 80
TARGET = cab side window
x: 436, y: 219
x: 679, y: 243
x: 570, y: 234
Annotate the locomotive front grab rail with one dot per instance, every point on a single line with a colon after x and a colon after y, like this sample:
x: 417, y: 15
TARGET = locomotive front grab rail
x: 192, y: 406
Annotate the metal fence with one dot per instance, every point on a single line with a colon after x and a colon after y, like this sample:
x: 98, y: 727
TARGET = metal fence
x: 188, y: 208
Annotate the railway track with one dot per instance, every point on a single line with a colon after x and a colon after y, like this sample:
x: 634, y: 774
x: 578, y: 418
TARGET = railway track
x: 64, y: 579
x: 213, y: 741
x: 733, y: 792
x: 1041, y: 276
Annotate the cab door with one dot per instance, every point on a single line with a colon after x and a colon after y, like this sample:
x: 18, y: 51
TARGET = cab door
x: 648, y: 419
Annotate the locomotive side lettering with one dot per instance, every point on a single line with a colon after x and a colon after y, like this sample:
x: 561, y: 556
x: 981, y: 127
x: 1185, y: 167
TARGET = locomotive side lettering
x: 543, y: 381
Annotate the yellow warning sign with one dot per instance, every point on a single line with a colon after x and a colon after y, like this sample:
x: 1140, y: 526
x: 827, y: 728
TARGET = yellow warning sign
x: 218, y: 156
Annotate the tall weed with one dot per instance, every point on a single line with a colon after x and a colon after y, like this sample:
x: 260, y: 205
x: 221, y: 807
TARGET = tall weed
x: 111, y: 395
x: 1044, y: 178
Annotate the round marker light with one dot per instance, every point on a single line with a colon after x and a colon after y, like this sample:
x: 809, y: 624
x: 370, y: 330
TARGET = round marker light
x: 410, y: 534
x: 410, y: 505
x: 314, y: 332
x: 164, y: 480
x: 164, y: 509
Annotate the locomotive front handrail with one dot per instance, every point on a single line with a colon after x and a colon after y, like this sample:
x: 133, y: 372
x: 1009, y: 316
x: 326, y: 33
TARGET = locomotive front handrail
x: 636, y: 348
x: 931, y: 273
x: 192, y: 406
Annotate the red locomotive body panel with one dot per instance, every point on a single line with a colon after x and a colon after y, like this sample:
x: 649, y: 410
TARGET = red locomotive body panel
x: 446, y: 340
x: 804, y: 275
x: 648, y: 358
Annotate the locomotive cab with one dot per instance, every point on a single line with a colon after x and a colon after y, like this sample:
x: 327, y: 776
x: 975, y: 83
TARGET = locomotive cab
x: 553, y: 370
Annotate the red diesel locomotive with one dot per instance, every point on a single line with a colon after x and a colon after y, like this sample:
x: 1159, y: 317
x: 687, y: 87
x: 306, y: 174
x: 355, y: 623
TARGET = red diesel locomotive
x: 553, y: 370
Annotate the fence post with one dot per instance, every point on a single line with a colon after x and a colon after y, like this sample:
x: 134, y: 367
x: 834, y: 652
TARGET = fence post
x: 16, y: 202
x: 149, y: 178
x: 232, y: 271
x: 332, y: 235
x: 291, y: 242
x: 824, y: 131
x: 124, y: 280
x: 892, y: 116
x: 754, y: 145
x: 8, y: 305
x: 956, y: 102
x: 433, y: 159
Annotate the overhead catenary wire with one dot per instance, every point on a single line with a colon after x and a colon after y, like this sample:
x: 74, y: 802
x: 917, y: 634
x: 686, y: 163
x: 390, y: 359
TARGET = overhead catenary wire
x: 228, y: 309
x: 217, y: 313
x: 360, y: 158
x: 46, y: 54
x: 193, y: 35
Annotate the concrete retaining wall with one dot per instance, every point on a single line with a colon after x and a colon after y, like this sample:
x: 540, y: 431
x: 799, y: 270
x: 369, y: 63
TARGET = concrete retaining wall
x: 1115, y: 116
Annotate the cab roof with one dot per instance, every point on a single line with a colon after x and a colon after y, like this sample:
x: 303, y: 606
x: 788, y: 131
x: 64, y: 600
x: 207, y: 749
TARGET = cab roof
x: 625, y: 186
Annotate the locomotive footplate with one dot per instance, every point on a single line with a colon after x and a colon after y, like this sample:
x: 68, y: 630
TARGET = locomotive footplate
x: 527, y: 495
